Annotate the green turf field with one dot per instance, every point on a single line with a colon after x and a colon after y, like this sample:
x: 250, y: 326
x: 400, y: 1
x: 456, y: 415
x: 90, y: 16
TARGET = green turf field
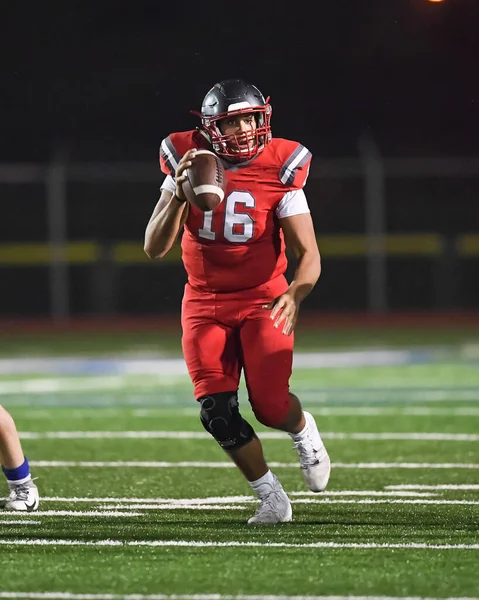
x: 136, y: 499
x: 167, y: 341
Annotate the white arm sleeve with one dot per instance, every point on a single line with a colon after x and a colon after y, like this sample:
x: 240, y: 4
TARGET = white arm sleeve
x: 292, y: 203
x: 169, y: 184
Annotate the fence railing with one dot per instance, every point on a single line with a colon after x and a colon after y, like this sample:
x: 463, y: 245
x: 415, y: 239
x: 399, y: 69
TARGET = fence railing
x: 375, y: 244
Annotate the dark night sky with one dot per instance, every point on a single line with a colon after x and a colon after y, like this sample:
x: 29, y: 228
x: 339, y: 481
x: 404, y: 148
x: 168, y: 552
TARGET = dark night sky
x: 110, y: 79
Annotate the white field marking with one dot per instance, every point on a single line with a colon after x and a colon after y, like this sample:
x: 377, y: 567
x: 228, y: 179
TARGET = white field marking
x: 369, y: 411
x: 383, y: 501
x: 13, y: 522
x: 77, y: 435
x: 445, y: 486
x: 159, y: 365
x: 79, y: 384
x: 363, y: 493
x: 228, y: 499
x: 70, y: 596
x: 228, y: 465
x: 360, y: 411
x: 234, y: 544
x: 440, y: 437
x: 63, y: 368
x: 265, y: 435
x: 210, y: 500
x: 51, y: 385
x: 412, y: 395
x: 168, y: 382
x: 74, y: 513
x: 159, y: 411
x: 182, y: 506
x: 369, y: 501
x: 344, y: 411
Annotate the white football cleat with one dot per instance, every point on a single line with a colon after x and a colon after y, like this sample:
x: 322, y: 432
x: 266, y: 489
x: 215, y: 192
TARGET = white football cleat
x: 23, y: 497
x: 313, y: 457
x: 274, y: 507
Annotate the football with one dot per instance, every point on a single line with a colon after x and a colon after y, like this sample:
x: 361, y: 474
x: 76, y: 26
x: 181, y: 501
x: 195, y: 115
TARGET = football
x: 205, y: 183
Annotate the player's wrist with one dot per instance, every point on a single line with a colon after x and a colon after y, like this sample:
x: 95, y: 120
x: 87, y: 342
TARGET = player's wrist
x: 178, y: 198
x: 298, y: 291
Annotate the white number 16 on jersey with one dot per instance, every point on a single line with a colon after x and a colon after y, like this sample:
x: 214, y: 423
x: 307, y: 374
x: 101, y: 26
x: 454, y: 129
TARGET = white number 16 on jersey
x: 238, y: 227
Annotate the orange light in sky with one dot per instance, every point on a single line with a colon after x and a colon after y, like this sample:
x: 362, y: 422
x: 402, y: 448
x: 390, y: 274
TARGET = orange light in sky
x: 436, y: 0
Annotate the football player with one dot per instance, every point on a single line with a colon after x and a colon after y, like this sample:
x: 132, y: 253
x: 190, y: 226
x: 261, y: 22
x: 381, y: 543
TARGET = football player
x: 23, y: 492
x: 238, y: 310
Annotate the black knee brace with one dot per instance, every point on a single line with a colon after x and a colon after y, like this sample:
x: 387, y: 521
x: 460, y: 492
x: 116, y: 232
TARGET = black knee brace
x: 220, y: 416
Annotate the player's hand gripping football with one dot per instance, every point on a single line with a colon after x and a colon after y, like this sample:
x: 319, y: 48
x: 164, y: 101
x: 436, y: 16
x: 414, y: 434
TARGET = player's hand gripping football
x: 180, y: 177
x: 284, y: 308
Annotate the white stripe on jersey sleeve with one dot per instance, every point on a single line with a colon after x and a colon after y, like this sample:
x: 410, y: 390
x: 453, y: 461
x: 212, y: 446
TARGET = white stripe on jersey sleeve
x: 170, y: 154
x: 169, y: 184
x: 292, y: 203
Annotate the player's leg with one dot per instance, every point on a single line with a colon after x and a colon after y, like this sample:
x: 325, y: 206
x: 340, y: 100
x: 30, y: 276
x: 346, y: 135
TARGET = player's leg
x: 213, y: 367
x: 212, y: 354
x: 268, y: 358
x: 23, y: 492
x: 220, y: 417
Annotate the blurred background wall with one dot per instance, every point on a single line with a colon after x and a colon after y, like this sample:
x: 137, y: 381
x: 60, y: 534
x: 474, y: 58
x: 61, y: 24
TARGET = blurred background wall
x: 385, y: 95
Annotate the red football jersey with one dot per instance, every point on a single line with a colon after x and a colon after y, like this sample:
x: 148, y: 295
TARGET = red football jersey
x: 240, y: 244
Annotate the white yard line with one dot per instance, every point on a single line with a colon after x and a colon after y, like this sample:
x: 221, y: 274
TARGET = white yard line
x: 168, y: 377
x: 73, y: 513
x: 343, y: 411
x: 384, y: 501
x: 234, y: 544
x: 196, y: 506
x: 159, y: 365
x: 370, y: 411
x: 176, y: 506
x: 124, y: 510
x: 19, y: 522
x: 266, y: 435
x: 228, y: 465
x: 228, y: 499
x: 209, y: 500
x: 347, y: 411
x: 398, y: 393
x: 57, y: 384
x: 440, y: 437
x: 70, y: 596
x: 363, y: 493
x: 444, y: 486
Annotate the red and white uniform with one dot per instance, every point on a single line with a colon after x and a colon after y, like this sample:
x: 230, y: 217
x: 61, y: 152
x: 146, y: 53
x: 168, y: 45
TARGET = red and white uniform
x: 235, y: 260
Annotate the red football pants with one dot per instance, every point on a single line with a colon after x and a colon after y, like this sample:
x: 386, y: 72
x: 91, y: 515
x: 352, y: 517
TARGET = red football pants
x: 226, y: 333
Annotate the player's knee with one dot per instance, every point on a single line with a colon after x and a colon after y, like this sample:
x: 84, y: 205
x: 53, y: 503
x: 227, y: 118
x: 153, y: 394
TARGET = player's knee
x: 7, y: 424
x: 271, y: 410
x: 220, y: 416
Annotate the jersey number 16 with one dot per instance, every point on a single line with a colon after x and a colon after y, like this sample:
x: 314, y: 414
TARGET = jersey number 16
x: 238, y: 227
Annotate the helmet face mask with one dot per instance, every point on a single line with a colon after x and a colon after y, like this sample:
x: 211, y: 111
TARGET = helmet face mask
x: 230, y: 99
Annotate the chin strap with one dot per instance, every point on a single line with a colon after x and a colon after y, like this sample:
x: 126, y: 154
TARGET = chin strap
x: 203, y: 133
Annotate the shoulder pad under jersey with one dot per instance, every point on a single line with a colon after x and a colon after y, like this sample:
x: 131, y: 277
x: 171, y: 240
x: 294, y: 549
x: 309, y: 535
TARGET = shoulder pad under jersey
x: 173, y: 148
x: 294, y: 161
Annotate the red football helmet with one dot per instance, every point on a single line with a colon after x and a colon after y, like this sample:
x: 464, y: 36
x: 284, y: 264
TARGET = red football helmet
x: 228, y: 99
